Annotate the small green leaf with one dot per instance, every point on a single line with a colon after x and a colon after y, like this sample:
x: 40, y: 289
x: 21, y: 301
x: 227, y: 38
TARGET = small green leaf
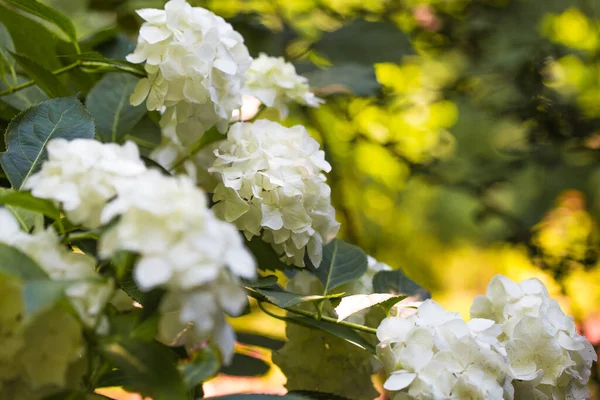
x: 15, y: 263
x: 397, y: 283
x: 352, y: 304
x: 49, y: 14
x: 262, y: 282
x: 245, y: 365
x: 203, y: 366
x: 149, y: 367
x: 29, y: 133
x: 42, y: 295
x: 31, y: 38
x: 342, y: 263
x: 48, y: 82
x: 259, y: 340
x: 108, y: 102
x: 349, y: 78
x: 365, y: 42
x: 26, y: 201
x: 286, y: 299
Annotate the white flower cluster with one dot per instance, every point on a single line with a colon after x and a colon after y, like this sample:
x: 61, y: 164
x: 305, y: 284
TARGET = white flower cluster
x: 548, y: 358
x: 196, y: 64
x: 183, y: 248
x: 435, y: 354
x: 87, y: 291
x: 80, y: 174
x: 272, y: 184
x: 275, y: 83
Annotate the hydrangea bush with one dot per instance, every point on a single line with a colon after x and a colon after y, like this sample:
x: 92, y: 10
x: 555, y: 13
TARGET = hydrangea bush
x: 117, y: 268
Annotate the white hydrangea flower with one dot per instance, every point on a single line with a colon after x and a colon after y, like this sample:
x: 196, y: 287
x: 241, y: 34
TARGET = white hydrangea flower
x: 435, y: 355
x: 189, y: 318
x: 196, y: 64
x: 272, y: 185
x: 80, y: 174
x: 185, y: 249
x: 86, y: 290
x: 275, y: 83
x: 545, y: 352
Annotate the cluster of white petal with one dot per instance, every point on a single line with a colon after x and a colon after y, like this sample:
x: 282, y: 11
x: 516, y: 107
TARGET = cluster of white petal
x: 547, y: 356
x: 80, y: 174
x: 196, y: 65
x: 272, y: 185
x: 183, y: 248
x: 86, y: 290
x: 275, y: 83
x: 435, y: 354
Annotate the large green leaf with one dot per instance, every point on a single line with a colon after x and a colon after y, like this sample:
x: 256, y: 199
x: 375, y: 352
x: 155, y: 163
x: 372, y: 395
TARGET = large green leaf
x: 203, y: 366
x: 42, y: 295
x: 23, y: 98
x: 396, y: 282
x: 31, y: 38
x: 108, y: 102
x: 286, y: 299
x: 29, y: 133
x: 26, y: 201
x: 342, y: 263
x: 245, y: 365
x: 266, y: 257
x: 14, y: 263
x: 6, y: 47
x: 365, y: 43
x: 261, y: 397
x: 146, y: 134
x: 49, y: 14
x: 47, y: 81
x: 149, y: 367
x: 349, y: 78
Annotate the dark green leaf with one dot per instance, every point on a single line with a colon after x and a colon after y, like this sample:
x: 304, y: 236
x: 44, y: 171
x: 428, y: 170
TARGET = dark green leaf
x: 48, y: 82
x: 6, y: 47
x: 31, y: 38
x: 29, y: 133
x: 266, y: 257
x: 47, y: 13
x: 117, y: 48
x: 286, y: 299
x: 108, y: 102
x: 42, y: 295
x: 342, y: 332
x: 262, y: 282
x: 396, y: 282
x: 342, y: 263
x: 24, y: 98
x: 149, y: 367
x: 261, y: 397
x: 146, y: 134
x: 245, y: 365
x: 26, y: 201
x: 365, y: 42
x: 203, y: 365
x: 14, y: 263
x: 259, y: 340
x: 113, y: 378
x: 318, y: 395
x: 349, y: 78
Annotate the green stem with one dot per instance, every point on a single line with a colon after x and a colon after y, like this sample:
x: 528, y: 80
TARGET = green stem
x: 24, y: 85
x: 124, y: 68
x: 309, y: 314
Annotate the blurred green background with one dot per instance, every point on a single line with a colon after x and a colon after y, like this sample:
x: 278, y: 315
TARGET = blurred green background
x: 464, y: 134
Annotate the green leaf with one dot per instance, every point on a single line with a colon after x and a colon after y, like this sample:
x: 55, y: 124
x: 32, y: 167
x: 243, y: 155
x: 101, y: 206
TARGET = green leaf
x: 265, y: 256
x: 23, y: 98
x: 342, y: 263
x: 42, y: 295
x: 6, y: 47
x: 262, y: 282
x: 318, y: 395
x: 352, y: 304
x: 259, y: 340
x: 31, y: 38
x: 108, y: 102
x: 349, y: 78
x: 17, y: 264
x: 29, y: 133
x: 27, y: 219
x: 203, y: 366
x: 245, y: 365
x: 286, y: 299
x: 95, y: 57
x: 146, y: 134
x: 25, y: 200
x: 261, y: 397
x: 49, y: 14
x: 365, y: 42
x: 319, y: 361
x: 149, y: 367
x: 48, y: 82
x: 397, y: 283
